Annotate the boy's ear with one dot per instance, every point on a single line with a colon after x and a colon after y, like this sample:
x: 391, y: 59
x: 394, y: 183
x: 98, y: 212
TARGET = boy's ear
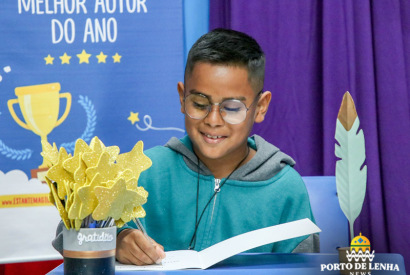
x: 262, y: 107
x: 181, y: 89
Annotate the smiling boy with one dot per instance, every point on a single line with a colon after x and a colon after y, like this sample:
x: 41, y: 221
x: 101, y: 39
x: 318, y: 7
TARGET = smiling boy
x: 217, y: 182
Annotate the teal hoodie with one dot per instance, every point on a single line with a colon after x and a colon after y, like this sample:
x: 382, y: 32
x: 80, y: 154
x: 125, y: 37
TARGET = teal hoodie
x: 265, y: 191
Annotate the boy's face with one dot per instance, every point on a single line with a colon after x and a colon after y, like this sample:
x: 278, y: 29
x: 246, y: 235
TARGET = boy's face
x: 218, y: 83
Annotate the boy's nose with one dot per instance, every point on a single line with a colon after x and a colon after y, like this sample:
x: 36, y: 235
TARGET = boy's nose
x: 214, y: 118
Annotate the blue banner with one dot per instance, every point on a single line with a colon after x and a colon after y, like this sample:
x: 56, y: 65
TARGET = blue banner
x: 74, y: 69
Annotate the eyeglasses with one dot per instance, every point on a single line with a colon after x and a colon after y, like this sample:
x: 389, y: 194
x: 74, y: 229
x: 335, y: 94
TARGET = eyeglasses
x: 233, y: 111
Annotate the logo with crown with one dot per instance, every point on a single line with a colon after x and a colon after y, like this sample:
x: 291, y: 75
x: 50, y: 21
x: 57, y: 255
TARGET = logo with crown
x: 360, y: 252
x: 360, y: 249
x: 358, y: 259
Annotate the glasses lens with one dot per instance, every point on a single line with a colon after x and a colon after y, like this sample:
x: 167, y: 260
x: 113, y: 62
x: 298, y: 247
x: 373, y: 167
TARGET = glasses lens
x: 197, y: 106
x: 233, y: 111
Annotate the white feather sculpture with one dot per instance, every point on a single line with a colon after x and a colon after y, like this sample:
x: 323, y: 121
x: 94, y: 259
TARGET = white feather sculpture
x: 350, y: 178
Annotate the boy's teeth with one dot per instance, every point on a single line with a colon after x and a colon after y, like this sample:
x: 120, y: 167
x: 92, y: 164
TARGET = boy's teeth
x: 209, y: 136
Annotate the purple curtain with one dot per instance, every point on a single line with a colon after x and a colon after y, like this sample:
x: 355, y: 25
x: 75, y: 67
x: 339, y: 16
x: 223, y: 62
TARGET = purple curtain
x: 316, y: 51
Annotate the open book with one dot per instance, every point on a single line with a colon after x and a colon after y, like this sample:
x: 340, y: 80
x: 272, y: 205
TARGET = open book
x: 184, y: 259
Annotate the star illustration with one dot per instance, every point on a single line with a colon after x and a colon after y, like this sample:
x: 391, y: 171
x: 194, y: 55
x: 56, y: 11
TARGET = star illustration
x: 91, y: 158
x: 133, y: 117
x: 101, y: 57
x: 49, y: 152
x: 88, y: 198
x: 79, y: 175
x: 134, y: 209
x: 68, y: 203
x: 83, y: 56
x: 74, y: 211
x: 112, y: 200
x: 65, y: 59
x: 68, y: 189
x: 105, y: 168
x: 127, y: 175
x: 58, y: 174
x: 50, y: 195
x: 63, y: 213
x: 72, y: 164
x: 132, y: 183
x: 135, y: 160
x: 116, y: 58
x: 49, y: 59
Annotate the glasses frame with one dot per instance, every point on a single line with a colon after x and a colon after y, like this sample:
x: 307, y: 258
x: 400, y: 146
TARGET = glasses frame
x: 219, y: 104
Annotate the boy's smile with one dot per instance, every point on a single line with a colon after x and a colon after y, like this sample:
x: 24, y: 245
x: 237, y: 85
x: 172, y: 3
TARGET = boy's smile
x: 215, y: 141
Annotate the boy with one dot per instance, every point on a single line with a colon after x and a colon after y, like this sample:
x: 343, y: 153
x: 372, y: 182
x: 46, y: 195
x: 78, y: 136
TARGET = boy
x: 217, y: 182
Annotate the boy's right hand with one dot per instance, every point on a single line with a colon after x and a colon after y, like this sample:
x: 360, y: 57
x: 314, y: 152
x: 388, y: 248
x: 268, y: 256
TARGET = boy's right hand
x: 134, y: 248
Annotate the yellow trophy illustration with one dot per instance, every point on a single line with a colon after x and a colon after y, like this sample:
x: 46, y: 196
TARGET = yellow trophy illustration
x: 40, y: 106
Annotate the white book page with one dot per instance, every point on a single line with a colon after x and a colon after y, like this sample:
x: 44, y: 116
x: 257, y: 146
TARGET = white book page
x: 185, y: 259
x: 249, y: 240
x: 175, y: 260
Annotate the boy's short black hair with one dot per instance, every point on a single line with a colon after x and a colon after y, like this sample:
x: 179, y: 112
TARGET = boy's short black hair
x: 230, y: 48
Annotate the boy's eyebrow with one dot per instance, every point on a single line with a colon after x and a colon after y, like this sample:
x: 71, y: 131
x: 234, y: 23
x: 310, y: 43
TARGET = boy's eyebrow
x: 193, y: 91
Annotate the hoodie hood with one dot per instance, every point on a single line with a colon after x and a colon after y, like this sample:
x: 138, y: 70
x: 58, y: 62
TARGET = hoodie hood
x: 267, y: 162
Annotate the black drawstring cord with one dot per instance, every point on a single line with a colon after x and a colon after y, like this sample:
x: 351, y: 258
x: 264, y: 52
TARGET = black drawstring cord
x: 197, y: 197
x: 193, y: 239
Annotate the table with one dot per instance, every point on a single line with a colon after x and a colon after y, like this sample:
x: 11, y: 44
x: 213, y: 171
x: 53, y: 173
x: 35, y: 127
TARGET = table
x: 274, y: 263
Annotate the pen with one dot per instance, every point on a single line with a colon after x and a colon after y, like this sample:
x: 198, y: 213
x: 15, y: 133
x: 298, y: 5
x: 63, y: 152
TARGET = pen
x: 140, y: 227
